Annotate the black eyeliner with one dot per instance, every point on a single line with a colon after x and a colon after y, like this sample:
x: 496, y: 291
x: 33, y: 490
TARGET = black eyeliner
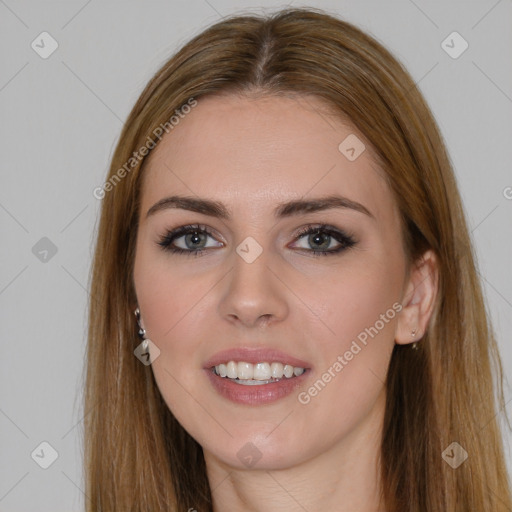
x: 347, y: 241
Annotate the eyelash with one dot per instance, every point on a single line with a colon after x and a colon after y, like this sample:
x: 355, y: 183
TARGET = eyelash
x: 347, y: 241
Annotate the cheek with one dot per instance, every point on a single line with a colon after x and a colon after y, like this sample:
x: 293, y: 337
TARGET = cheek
x: 350, y: 379
x: 361, y: 300
x: 165, y: 294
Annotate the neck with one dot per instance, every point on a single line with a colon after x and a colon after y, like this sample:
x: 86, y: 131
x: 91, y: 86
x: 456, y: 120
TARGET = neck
x: 346, y: 477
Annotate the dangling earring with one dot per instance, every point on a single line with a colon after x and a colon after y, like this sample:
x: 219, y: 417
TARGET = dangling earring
x: 142, y: 331
x: 415, y: 344
x: 142, y: 352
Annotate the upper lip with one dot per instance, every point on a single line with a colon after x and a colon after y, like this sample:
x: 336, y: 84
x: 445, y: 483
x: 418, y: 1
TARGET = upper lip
x: 255, y: 355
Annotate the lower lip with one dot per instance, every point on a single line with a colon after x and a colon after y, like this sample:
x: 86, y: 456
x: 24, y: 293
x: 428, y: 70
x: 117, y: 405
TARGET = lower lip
x: 255, y: 395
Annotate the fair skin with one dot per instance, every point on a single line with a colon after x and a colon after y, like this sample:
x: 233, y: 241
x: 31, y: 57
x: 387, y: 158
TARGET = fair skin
x: 253, y: 154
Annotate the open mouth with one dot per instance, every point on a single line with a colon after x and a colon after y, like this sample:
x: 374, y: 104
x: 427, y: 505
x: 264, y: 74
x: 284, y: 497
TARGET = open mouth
x: 256, y: 376
x: 248, y: 374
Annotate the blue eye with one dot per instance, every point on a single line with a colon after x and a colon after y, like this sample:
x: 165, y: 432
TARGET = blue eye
x: 319, y: 237
x: 193, y: 238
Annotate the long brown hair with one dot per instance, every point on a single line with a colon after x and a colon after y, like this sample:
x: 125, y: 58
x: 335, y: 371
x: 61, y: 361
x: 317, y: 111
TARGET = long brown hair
x: 137, y: 456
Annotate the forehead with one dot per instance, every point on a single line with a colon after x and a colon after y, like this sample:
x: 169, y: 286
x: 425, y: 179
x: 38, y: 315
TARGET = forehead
x: 265, y: 149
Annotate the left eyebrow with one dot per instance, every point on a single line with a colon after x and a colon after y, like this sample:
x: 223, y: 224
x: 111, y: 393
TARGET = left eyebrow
x: 287, y: 209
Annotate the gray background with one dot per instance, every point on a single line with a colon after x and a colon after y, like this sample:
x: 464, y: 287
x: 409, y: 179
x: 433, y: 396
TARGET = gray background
x: 61, y: 118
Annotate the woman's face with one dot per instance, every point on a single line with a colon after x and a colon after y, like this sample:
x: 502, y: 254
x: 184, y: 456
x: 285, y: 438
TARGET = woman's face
x: 262, y: 298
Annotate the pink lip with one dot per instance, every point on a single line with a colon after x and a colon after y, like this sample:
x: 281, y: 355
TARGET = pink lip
x: 254, y: 355
x: 259, y: 394
x: 255, y: 395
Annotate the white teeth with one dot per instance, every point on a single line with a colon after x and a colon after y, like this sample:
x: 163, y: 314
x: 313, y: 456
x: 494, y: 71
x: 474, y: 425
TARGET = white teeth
x: 223, y: 371
x: 260, y: 373
x: 245, y: 371
x: 276, y: 369
x: 288, y: 371
x: 232, y: 370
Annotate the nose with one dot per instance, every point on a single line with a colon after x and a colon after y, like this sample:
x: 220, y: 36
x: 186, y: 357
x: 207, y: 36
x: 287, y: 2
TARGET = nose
x: 254, y: 295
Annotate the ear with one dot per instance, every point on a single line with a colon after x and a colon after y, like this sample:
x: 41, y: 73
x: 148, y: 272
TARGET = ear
x: 418, y: 300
